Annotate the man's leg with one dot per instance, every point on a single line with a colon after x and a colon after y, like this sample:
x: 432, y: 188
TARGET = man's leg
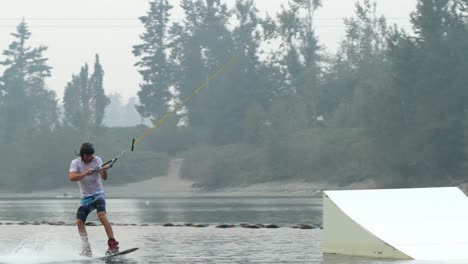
x: 105, y: 222
x: 101, y: 212
x: 81, y: 216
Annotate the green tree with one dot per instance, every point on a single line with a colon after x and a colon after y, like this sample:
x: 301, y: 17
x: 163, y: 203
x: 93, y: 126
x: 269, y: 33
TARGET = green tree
x: 28, y: 110
x: 84, y: 100
x: 154, y: 66
x: 99, y: 100
x: 413, y: 105
x: 288, y: 116
x: 433, y: 95
x: 205, y: 49
x: 299, y: 54
x: 256, y: 128
x: 27, y: 107
x: 231, y: 94
x: 362, y: 56
x: 200, y: 45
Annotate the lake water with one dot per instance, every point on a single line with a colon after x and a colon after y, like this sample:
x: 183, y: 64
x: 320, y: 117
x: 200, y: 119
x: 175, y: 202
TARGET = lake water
x: 139, y: 223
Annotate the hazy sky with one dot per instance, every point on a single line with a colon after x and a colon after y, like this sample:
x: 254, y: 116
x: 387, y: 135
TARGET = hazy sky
x: 75, y: 30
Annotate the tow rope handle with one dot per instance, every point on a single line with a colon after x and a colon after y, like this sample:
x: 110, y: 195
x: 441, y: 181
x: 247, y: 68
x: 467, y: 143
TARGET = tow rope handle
x: 111, y: 162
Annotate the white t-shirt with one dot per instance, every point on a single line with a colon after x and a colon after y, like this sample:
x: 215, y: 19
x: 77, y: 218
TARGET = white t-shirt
x: 90, y: 184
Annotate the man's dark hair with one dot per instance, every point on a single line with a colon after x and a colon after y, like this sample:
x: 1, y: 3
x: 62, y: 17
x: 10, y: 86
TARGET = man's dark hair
x: 86, y: 148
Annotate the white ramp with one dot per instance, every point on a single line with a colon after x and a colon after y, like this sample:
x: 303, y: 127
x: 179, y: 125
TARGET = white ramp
x: 422, y: 223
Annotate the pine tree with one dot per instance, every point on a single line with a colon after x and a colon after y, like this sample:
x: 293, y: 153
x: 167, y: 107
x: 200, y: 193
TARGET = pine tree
x: 253, y: 92
x: 100, y: 101
x: 186, y: 53
x: 27, y: 107
x: 154, y: 67
x: 299, y: 54
x: 430, y: 78
x: 71, y: 104
x: 207, y: 46
x: 85, y: 101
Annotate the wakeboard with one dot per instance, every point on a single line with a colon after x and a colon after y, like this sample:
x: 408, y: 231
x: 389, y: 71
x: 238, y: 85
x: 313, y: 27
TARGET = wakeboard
x: 120, y: 253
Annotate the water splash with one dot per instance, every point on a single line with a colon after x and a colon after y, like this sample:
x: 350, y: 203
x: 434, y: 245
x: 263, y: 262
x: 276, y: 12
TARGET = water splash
x: 40, y: 249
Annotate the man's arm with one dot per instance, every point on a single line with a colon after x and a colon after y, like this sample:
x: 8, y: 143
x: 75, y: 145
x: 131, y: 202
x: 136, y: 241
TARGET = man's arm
x: 103, y: 172
x: 75, y: 176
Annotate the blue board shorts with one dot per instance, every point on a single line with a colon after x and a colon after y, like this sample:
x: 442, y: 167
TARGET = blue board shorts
x: 90, y: 203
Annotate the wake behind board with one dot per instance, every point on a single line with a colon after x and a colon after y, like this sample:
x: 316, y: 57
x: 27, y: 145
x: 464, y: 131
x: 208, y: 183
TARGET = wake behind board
x: 118, y: 254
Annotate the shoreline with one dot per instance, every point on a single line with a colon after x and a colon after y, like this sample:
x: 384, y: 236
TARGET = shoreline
x: 276, y: 189
x: 150, y: 189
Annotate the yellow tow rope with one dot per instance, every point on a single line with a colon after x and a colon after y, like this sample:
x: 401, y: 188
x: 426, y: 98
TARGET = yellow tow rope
x: 177, y: 107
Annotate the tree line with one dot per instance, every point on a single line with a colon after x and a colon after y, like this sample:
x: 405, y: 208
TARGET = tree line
x: 389, y: 105
x: 38, y: 137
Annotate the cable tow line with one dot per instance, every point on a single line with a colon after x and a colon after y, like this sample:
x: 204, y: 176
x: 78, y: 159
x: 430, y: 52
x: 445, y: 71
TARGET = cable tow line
x: 177, y: 107
x: 174, y: 110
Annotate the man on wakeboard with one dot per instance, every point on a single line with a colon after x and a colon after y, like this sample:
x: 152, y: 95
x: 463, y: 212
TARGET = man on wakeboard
x: 84, y: 171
